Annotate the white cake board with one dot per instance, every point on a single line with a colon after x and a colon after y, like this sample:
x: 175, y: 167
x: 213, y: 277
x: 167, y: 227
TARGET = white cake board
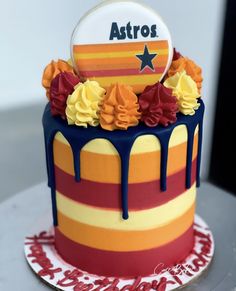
x: 53, y: 270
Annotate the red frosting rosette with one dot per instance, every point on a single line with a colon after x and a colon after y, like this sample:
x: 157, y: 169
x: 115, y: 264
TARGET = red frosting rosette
x: 52, y: 70
x: 158, y: 106
x: 176, y: 55
x: 61, y: 87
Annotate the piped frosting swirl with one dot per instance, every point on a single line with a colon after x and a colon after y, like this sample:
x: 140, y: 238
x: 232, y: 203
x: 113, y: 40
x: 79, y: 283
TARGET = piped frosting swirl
x: 83, y: 105
x: 61, y: 87
x: 158, y: 105
x: 51, y: 71
x: 120, y: 108
x: 193, y: 70
x: 186, y: 91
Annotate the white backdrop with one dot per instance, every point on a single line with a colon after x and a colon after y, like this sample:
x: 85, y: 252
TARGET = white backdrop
x: 34, y: 32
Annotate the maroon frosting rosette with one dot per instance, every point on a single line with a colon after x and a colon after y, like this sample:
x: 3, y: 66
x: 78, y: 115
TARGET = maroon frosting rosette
x: 176, y: 55
x: 158, y: 105
x: 61, y: 87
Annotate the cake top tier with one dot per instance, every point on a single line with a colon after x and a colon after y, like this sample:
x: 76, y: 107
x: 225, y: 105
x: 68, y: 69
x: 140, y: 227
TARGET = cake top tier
x: 123, y: 70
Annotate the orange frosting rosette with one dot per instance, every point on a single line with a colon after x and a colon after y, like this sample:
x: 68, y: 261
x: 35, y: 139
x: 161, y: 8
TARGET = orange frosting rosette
x: 52, y: 70
x: 119, y: 108
x: 187, y: 65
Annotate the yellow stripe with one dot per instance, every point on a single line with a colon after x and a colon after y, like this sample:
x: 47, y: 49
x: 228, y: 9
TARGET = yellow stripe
x: 143, y: 144
x: 79, y: 56
x: 138, y: 220
x: 130, y: 80
x: 118, y: 240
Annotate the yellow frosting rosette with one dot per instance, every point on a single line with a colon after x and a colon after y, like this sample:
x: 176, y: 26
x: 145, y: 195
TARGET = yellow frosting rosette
x: 192, y: 69
x: 83, y: 105
x: 186, y: 92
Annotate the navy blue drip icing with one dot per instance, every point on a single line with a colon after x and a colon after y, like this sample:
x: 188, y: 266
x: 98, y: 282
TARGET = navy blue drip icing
x: 123, y: 141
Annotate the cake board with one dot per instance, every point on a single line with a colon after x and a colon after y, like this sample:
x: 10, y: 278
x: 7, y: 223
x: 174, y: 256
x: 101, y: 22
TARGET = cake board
x: 44, y: 260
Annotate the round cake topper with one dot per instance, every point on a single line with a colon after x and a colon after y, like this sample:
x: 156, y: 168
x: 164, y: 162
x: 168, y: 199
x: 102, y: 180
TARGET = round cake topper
x: 124, y: 42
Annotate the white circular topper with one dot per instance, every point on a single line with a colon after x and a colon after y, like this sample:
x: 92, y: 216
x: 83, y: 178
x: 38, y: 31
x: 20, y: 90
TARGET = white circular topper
x: 124, y: 42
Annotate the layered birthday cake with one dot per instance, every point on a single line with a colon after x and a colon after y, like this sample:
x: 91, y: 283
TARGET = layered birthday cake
x: 123, y: 135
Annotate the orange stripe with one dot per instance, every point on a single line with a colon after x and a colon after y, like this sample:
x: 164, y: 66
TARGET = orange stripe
x: 117, y: 47
x: 128, y: 61
x: 124, y: 63
x: 178, y: 156
x: 105, y: 239
x: 106, y: 168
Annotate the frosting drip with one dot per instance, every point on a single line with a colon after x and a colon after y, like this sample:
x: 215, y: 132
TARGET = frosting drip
x: 83, y: 104
x: 158, y: 105
x: 120, y: 108
x: 123, y: 142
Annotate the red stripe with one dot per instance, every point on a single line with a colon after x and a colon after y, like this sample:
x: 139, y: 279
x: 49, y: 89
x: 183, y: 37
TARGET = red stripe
x: 120, y: 72
x: 141, y: 195
x: 124, y: 264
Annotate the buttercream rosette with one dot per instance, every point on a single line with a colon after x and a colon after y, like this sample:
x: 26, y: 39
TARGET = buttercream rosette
x: 176, y: 55
x: 83, y: 105
x: 186, y: 91
x: 120, y: 108
x: 61, y: 87
x: 158, y: 105
x: 180, y: 64
x: 52, y: 70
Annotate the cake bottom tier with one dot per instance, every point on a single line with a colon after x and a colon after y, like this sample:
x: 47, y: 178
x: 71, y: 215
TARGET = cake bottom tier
x: 124, y: 264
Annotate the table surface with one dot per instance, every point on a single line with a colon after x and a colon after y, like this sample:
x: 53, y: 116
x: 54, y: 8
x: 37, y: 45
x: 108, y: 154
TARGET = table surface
x: 19, y: 214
